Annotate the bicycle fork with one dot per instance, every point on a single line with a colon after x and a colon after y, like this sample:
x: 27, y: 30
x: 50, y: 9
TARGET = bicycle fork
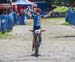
x: 33, y: 44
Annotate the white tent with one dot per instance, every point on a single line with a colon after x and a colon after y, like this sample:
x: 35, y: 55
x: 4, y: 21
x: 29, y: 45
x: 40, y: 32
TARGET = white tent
x: 23, y: 2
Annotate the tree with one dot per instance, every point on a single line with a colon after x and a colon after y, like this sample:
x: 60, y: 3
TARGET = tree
x: 50, y: 5
x: 5, y: 1
x: 58, y: 2
x: 65, y: 2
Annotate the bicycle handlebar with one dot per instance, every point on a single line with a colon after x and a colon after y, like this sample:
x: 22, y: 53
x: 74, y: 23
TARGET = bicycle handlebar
x: 40, y: 30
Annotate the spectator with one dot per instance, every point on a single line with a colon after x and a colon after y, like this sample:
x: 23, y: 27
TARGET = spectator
x: 3, y: 21
x: 70, y: 16
x: 10, y: 20
x: 23, y: 16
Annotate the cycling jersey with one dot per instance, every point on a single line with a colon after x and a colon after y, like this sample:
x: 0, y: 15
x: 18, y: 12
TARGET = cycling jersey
x: 36, y: 20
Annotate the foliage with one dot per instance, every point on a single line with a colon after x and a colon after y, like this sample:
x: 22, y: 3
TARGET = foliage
x: 58, y: 2
x: 5, y: 1
x: 65, y: 23
x: 60, y: 9
x: 13, y: 0
x: 3, y: 36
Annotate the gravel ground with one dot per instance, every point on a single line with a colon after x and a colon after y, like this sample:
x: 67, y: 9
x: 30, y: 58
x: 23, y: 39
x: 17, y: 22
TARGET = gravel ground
x: 58, y: 45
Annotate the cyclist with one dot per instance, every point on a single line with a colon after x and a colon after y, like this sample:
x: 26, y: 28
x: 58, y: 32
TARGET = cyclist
x: 35, y: 14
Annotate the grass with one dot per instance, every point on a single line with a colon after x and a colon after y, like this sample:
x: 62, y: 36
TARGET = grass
x: 46, y: 21
x: 3, y: 36
x: 58, y: 19
x: 65, y: 23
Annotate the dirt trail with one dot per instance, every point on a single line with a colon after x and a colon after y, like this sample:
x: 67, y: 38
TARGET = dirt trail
x: 58, y: 45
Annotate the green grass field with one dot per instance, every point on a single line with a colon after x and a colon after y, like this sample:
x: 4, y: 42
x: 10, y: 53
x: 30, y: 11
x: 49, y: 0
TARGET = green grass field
x: 46, y: 21
x: 6, y: 35
x: 3, y: 36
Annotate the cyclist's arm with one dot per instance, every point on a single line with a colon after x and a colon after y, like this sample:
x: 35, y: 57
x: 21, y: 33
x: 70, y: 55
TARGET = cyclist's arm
x: 29, y: 14
x: 47, y: 15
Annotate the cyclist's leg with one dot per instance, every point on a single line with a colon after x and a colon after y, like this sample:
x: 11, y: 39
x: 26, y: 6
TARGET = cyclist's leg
x: 33, y: 43
x: 35, y: 28
x: 40, y: 38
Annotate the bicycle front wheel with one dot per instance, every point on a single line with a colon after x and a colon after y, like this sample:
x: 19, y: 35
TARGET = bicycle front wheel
x: 37, y: 44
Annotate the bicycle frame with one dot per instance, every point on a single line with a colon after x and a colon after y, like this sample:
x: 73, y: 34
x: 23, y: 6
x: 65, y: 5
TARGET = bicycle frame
x: 37, y: 36
x: 37, y: 40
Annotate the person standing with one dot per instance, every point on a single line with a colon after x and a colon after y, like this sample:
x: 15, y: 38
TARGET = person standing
x: 4, y: 20
x: 10, y: 20
x: 70, y: 15
x: 23, y: 16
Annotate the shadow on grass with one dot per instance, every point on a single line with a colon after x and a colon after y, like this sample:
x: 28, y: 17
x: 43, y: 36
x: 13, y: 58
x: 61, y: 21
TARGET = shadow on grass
x: 40, y: 57
x: 65, y: 36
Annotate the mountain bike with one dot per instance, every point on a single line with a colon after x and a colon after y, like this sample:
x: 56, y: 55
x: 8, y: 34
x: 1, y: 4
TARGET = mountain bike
x: 37, y: 41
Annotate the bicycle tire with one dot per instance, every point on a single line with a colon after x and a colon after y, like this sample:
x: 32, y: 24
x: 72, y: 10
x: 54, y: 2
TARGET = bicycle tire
x: 37, y: 44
